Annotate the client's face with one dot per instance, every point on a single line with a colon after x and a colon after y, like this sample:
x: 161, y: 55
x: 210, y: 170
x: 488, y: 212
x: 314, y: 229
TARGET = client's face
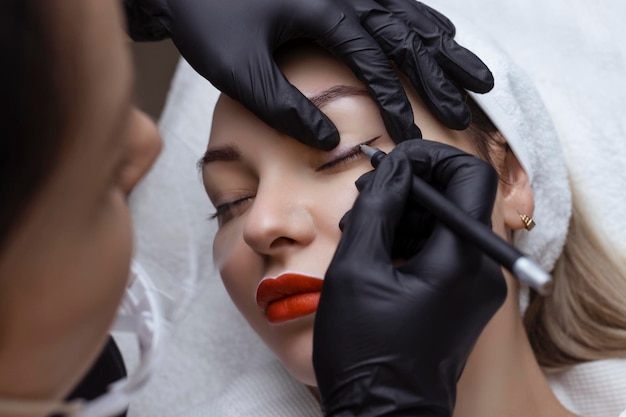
x: 278, y: 202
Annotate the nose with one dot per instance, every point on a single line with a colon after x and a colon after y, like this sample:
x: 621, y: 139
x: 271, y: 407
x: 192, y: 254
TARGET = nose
x: 144, y: 145
x: 278, y: 222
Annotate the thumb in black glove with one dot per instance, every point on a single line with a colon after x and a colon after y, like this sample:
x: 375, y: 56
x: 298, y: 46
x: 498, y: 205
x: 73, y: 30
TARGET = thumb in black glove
x: 231, y: 43
x: 393, y: 340
x: 417, y: 224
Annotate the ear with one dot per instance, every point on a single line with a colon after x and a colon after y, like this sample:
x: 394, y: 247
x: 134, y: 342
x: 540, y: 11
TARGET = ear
x: 516, y: 192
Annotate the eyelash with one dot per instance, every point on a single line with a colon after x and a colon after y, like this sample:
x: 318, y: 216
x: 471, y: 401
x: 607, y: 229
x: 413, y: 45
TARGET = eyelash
x: 342, y: 160
x: 356, y: 153
x: 225, y: 212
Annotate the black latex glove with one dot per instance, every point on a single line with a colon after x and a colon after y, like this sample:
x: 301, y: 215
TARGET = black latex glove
x: 231, y: 43
x: 393, y: 340
x: 417, y: 225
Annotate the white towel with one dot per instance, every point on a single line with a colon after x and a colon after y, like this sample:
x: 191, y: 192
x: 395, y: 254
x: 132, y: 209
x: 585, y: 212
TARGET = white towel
x: 575, y: 54
x: 264, y: 391
x: 515, y: 107
x: 213, y: 344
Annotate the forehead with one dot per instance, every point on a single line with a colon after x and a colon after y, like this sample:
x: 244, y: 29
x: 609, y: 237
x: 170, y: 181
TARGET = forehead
x: 311, y: 69
x: 308, y: 68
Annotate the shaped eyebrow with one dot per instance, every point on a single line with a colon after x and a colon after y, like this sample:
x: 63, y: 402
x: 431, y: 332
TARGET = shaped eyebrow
x: 338, y: 91
x: 225, y: 153
x: 229, y: 153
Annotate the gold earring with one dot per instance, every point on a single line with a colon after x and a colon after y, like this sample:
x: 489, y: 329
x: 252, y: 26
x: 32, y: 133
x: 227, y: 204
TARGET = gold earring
x: 529, y: 223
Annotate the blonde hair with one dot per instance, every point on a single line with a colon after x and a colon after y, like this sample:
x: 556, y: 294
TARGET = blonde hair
x: 585, y: 317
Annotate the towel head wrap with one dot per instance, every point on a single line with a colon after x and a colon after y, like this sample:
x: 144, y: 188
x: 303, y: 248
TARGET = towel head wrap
x: 518, y: 112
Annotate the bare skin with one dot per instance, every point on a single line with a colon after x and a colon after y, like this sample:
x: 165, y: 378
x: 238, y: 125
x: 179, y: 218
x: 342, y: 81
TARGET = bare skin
x: 280, y: 213
x: 65, y: 269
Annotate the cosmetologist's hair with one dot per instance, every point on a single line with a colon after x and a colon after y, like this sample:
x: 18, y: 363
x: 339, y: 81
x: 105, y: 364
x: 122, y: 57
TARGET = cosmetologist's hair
x: 32, y: 116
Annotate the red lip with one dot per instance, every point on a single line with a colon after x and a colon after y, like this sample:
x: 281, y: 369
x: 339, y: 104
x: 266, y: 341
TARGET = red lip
x: 288, y: 296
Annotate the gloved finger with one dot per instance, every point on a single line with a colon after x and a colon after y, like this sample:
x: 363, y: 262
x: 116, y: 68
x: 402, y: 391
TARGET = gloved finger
x: 414, y: 227
x: 413, y: 231
x: 444, y: 257
x: 402, y: 44
x: 470, y: 184
x: 345, y: 220
x: 462, y: 66
x: 246, y: 69
x: 437, y: 18
x: 353, y: 45
x: 437, y: 33
x: 364, y: 179
x: 360, y: 183
x: 466, y: 180
x: 379, y: 207
x: 459, y: 63
x: 275, y: 101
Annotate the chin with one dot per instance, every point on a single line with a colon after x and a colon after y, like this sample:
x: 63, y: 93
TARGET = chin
x: 296, y: 357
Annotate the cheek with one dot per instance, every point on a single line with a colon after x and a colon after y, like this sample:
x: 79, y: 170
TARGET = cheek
x: 333, y: 209
x: 330, y: 200
x: 109, y: 275
x: 339, y: 192
x: 239, y: 266
x: 225, y: 240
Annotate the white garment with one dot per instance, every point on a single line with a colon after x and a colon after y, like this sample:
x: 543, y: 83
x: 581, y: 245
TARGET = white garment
x: 594, y: 389
x: 575, y: 53
x: 213, y: 343
x: 266, y: 391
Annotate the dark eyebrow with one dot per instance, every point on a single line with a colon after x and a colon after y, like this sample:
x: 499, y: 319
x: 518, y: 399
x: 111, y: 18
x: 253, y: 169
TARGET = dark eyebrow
x: 225, y: 153
x: 335, y: 92
x: 230, y: 153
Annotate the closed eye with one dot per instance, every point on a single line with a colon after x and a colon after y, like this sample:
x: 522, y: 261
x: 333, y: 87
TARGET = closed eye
x: 227, y: 211
x: 352, y: 153
x: 341, y: 160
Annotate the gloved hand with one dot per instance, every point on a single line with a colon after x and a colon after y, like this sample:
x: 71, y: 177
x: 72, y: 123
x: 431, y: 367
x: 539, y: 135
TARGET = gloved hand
x: 389, y: 339
x: 231, y: 43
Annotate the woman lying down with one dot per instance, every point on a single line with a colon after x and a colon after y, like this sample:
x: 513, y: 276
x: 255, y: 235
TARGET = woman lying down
x: 278, y: 206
